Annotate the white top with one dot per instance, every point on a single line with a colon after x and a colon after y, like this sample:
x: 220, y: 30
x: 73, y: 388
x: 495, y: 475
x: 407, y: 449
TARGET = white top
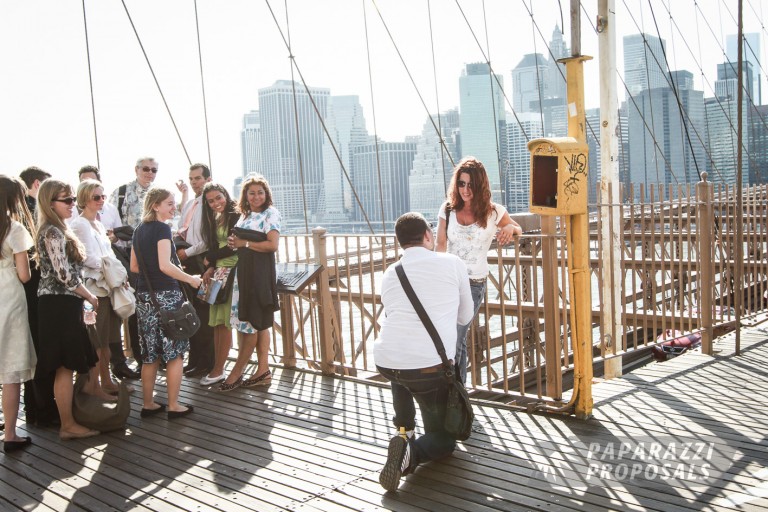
x: 471, y: 243
x: 95, y: 242
x: 108, y: 216
x: 194, y: 232
x: 441, y: 284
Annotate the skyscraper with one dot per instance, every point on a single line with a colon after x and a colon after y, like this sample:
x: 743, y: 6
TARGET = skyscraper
x: 432, y: 167
x: 520, y: 130
x: 292, y: 160
x: 644, y: 63
x: 752, y: 55
x: 382, y: 183
x: 660, y: 148
x: 250, y: 143
x: 346, y: 126
x: 482, y: 120
x: 530, y: 83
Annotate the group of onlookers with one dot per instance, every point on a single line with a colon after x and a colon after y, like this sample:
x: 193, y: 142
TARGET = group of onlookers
x: 56, y: 246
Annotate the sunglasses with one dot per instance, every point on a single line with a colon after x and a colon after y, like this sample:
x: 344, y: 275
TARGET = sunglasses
x: 66, y: 200
x: 102, y: 197
x: 148, y: 169
x: 462, y: 184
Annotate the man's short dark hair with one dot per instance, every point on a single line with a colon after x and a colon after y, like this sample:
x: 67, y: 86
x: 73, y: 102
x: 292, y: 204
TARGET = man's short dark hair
x: 32, y: 174
x: 206, y: 170
x: 89, y: 168
x: 410, y: 228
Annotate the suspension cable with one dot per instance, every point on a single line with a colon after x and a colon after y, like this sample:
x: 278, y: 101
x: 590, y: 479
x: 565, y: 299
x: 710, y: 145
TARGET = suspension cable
x: 160, y: 90
x: 322, y: 122
x: 491, y: 81
x: 202, y: 85
x: 373, y: 111
x: 437, y: 101
x: 536, y: 59
x: 90, y: 83
x: 296, y: 121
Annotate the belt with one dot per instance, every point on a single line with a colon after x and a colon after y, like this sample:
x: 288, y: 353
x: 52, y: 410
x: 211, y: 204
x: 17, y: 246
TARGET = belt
x: 477, y: 281
x: 434, y: 369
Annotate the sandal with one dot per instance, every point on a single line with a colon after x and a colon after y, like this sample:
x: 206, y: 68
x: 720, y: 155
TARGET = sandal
x: 229, y: 387
x: 265, y: 379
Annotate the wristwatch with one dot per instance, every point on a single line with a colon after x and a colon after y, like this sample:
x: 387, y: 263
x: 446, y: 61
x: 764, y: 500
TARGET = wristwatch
x: 247, y: 244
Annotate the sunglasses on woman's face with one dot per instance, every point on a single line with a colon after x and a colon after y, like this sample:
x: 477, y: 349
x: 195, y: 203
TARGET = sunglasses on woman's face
x: 462, y: 184
x: 66, y: 200
x: 102, y: 197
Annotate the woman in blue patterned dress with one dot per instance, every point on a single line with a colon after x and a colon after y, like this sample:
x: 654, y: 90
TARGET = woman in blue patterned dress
x: 151, y: 258
x: 257, y: 214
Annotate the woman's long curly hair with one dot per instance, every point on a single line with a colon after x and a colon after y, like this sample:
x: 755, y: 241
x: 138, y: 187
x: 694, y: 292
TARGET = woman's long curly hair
x: 13, y: 206
x: 481, y: 190
x: 48, y: 191
x: 210, y: 223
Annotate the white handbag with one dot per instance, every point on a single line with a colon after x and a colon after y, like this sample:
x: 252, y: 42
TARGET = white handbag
x: 123, y: 301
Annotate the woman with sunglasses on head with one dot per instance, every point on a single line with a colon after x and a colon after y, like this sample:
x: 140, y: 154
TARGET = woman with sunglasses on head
x: 17, y: 352
x: 220, y: 214
x: 154, y: 260
x: 64, y: 344
x: 254, y: 291
x: 93, y: 235
x: 468, y: 223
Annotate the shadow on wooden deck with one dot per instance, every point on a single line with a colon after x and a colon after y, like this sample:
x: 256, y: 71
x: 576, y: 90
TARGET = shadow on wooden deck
x: 317, y: 443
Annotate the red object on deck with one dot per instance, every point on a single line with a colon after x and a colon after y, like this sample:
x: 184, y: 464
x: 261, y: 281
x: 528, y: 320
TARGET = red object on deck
x: 681, y: 344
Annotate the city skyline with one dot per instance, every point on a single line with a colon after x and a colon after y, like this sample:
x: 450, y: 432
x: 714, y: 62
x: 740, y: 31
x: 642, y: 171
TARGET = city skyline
x: 46, y: 104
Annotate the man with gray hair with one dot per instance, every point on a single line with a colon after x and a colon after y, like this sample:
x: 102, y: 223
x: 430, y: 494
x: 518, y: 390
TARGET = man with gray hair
x: 405, y: 353
x: 129, y: 198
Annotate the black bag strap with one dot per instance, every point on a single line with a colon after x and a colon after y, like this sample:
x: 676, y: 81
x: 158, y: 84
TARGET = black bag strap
x: 448, y: 210
x: 121, y: 200
x: 416, y: 303
x: 143, y: 268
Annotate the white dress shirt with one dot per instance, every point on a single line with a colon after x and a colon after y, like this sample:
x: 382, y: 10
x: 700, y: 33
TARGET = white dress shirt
x: 194, y: 236
x: 442, y: 285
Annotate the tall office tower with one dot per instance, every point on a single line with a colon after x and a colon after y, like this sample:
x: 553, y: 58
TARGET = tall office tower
x: 624, y: 148
x: 722, y: 126
x: 293, y: 180
x: 660, y: 150
x: 530, y: 83
x: 432, y: 167
x: 752, y: 55
x: 482, y: 121
x: 382, y: 184
x: 727, y: 83
x: 758, y: 142
x: 559, y: 49
x: 526, y: 127
x: 346, y: 126
x: 593, y: 166
x: 644, y: 63
x: 250, y: 143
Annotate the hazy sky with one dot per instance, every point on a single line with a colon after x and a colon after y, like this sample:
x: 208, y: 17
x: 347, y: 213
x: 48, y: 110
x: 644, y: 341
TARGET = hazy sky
x: 45, y: 103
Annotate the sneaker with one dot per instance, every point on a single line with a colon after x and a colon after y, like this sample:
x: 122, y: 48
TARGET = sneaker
x: 398, y: 462
x: 210, y: 381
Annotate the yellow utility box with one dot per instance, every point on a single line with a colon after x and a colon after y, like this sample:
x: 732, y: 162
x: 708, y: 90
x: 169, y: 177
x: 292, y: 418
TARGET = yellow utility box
x: 558, y: 176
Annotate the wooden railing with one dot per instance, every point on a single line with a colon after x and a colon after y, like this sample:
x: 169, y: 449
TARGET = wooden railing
x: 677, y: 268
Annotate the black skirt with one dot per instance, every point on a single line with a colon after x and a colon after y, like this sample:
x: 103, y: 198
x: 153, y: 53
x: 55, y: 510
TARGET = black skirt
x: 62, y: 335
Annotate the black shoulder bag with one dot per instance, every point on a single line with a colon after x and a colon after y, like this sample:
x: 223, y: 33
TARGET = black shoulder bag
x: 179, y: 324
x: 458, y: 410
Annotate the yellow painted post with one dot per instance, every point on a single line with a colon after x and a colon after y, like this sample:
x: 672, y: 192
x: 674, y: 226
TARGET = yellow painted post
x: 577, y: 226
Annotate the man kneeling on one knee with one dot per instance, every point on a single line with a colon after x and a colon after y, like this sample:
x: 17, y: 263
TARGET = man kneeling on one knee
x: 405, y: 353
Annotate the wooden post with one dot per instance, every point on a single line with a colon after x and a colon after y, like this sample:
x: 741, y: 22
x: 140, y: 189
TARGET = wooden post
x: 704, y: 194
x: 286, y: 319
x: 327, y: 352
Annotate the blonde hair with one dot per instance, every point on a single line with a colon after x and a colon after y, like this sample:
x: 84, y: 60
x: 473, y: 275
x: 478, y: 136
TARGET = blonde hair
x: 153, y: 197
x: 85, y: 191
x: 48, y: 191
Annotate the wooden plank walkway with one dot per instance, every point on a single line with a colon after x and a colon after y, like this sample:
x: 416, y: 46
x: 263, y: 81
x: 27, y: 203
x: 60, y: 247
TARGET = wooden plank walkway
x: 317, y: 443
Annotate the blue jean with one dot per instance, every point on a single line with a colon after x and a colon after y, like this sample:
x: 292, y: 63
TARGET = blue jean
x: 478, y: 293
x: 430, y: 391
